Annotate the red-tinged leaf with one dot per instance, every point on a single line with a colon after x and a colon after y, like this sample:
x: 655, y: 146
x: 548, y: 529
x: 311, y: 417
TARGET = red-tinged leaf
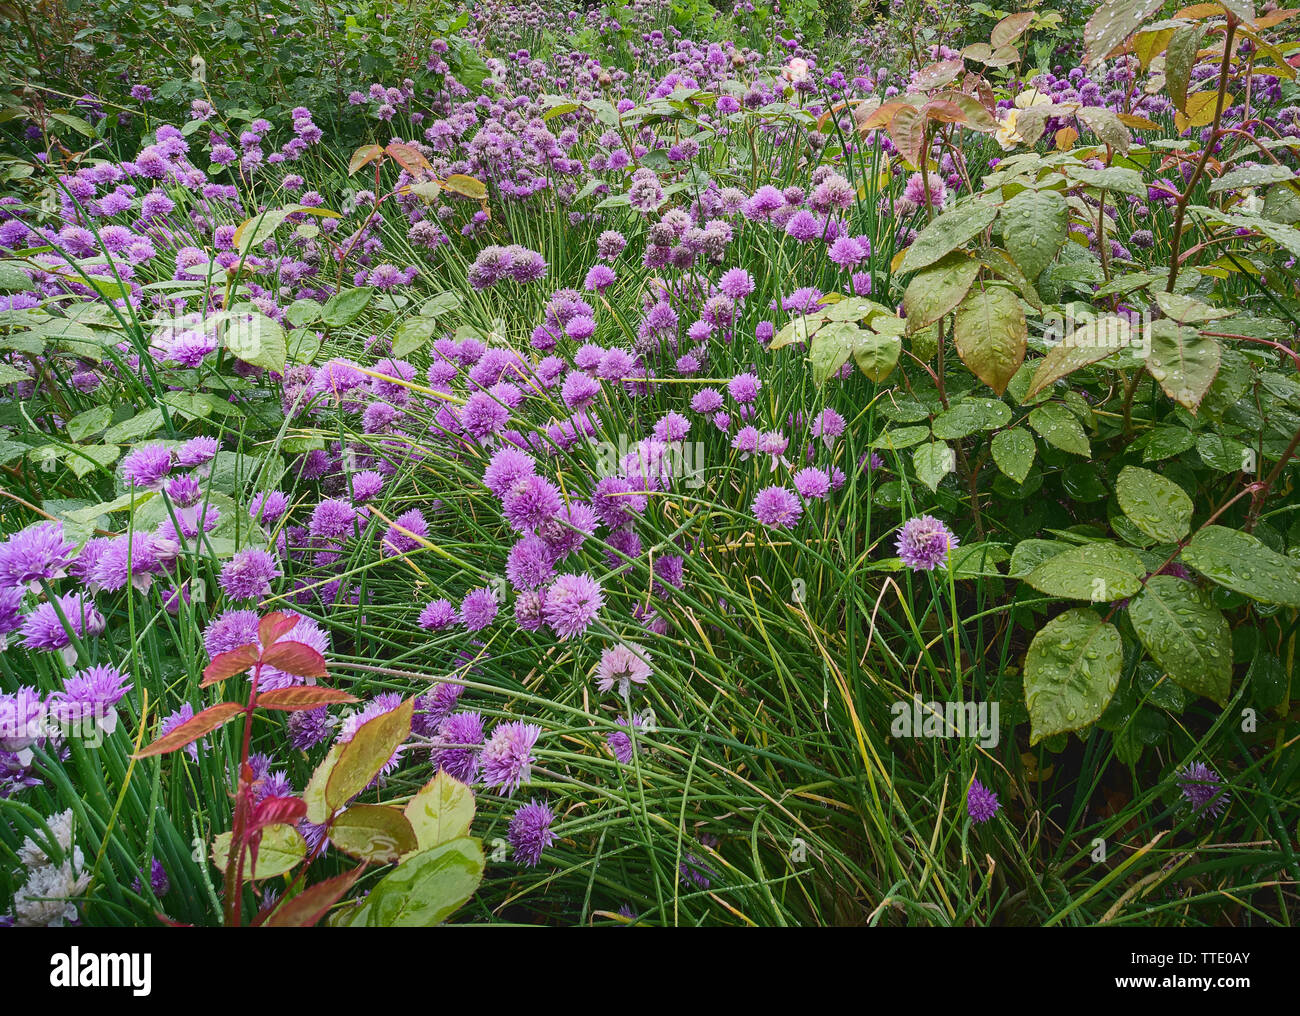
x: 271, y: 810
x: 365, y: 755
x: 295, y: 658
x: 228, y: 664
x: 881, y: 115
x: 907, y: 131
x: 310, y: 905
x: 408, y: 157
x: 274, y: 627
x: 943, y: 111
x: 363, y: 156
x: 936, y: 75
x: 302, y: 697
x: 194, y: 728
x: 1010, y: 28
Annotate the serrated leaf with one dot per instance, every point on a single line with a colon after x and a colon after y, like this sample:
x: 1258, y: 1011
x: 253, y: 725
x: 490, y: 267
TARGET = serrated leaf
x: 1185, y: 634
x: 425, y: 889
x: 1183, y: 361
x: 947, y: 232
x: 1013, y: 452
x: 1035, y: 223
x: 1156, y: 505
x: 1097, y: 572
x: 1060, y: 428
x: 441, y: 811
x: 989, y: 331
x: 1072, y: 669
x: 1242, y: 563
x: 933, y: 462
x: 343, y: 307
x: 280, y: 848
x: 938, y: 289
x: 967, y: 416
x: 366, y: 754
x: 373, y: 832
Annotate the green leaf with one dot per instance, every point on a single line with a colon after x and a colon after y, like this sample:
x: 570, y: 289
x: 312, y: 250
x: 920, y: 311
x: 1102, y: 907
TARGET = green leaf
x: 370, y: 748
x: 933, y: 462
x: 1157, y: 506
x: 1112, y: 23
x: 970, y: 415
x: 302, y: 313
x: 89, y: 423
x: 282, y: 847
x: 1241, y: 562
x: 412, y: 333
x: 441, y: 811
x: 373, y: 832
x: 1253, y: 176
x: 1183, y: 360
x: 1185, y: 634
x: 86, y: 458
x: 1112, y: 178
x: 1097, y: 340
x: 898, y: 438
x: 876, y: 354
x: 1013, y: 451
x: 345, y: 305
x: 948, y: 232
x: 990, y: 331
x: 1187, y: 309
x: 256, y: 339
x: 1035, y: 223
x: 1061, y: 428
x: 1097, y: 572
x: 938, y: 289
x: 425, y: 889
x: 138, y: 426
x: 13, y: 278
x: 1072, y: 669
x: 830, y: 349
x: 1180, y: 57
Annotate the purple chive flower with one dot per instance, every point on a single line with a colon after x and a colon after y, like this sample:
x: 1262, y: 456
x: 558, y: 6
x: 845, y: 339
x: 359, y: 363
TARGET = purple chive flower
x: 620, y: 741
x: 197, y: 451
x: 736, y: 283
x: 1202, y: 788
x: 572, y: 603
x: 530, y: 563
x: 812, y: 483
x: 506, y: 468
x: 530, y: 502
x: 924, y: 543
x: 405, y: 534
x: 777, y: 508
x: 36, y: 553
x: 478, y: 609
x: 981, y: 803
x: 622, y: 666
x: 309, y: 727
x: 268, y: 508
x: 599, y: 278
x: 433, y: 707
x: 249, y: 574
x: 744, y: 388
x: 507, y: 757
x: 146, y: 466
x: 437, y: 615
x: 91, y: 694
x: 42, y: 629
x: 530, y: 832
x: 457, y: 746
